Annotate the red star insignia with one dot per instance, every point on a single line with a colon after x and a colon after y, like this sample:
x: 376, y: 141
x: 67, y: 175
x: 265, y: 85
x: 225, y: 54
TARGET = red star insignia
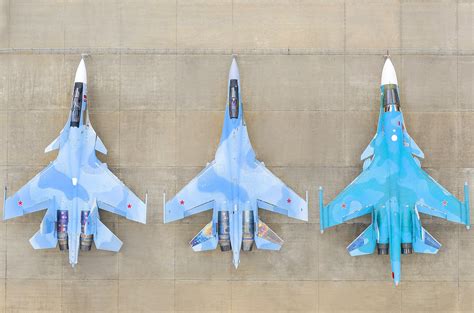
x: 444, y: 203
x: 20, y: 203
x: 343, y: 205
x: 288, y: 200
x: 129, y: 206
x: 181, y: 202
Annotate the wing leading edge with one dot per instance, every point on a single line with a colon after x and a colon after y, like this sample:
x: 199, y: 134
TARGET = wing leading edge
x: 38, y: 194
x: 201, y: 193
x: 111, y: 193
x: 272, y: 194
x: 197, y: 196
x: 430, y: 197
x: 357, y: 199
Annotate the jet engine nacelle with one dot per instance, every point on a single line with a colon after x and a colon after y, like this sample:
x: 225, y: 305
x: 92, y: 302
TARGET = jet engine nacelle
x: 248, y: 230
x: 407, y: 248
x: 61, y: 227
x: 86, y: 239
x: 382, y: 248
x: 224, y: 230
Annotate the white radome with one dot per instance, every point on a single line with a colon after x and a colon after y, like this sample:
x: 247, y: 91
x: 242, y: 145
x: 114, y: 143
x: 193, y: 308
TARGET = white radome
x: 234, y: 70
x: 388, y: 74
x: 81, y: 73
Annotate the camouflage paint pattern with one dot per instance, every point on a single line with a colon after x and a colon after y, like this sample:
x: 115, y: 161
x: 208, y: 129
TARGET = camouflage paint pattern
x: 74, y: 182
x: 394, y: 189
x: 235, y: 182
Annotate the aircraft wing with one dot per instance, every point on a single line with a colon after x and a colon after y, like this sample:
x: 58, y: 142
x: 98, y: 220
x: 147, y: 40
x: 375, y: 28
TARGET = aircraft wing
x: 37, y: 194
x: 111, y: 193
x: 356, y: 200
x: 430, y: 197
x: 272, y: 194
x: 198, y: 195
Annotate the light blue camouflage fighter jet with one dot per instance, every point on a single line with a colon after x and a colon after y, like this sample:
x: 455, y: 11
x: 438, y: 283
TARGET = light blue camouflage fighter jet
x: 74, y: 186
x: 235, y: 185
x: 394, y: 189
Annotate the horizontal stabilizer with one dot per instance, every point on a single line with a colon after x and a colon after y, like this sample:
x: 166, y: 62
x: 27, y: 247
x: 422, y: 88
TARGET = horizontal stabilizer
x: 205, y: 240
x: 104, y: 239
x: 426, y: 243
x: 364, y: 244
x: 44, y: 241
x: 266, y: 238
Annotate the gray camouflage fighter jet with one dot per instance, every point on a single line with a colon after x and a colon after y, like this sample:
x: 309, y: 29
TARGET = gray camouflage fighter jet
x: 74, y: 186
x: 235, y: 185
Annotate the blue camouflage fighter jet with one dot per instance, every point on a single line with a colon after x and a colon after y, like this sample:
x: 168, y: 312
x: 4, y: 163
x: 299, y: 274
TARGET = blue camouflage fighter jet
x: 74, y: 186
x: 235, y: 185
x: 394, y: 189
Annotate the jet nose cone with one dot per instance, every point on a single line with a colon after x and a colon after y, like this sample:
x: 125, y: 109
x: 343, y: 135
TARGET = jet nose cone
x: 234, y: 70
x: 388, y: 74
x: 81, y: 73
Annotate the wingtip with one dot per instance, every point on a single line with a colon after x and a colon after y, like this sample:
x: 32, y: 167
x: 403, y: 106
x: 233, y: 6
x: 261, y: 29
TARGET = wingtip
x: 4, y: 200
x: 164, y: 207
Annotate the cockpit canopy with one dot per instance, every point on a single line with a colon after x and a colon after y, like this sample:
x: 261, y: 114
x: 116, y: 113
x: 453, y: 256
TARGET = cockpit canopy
x: 234, y: 99
x: 76, y: 106
x: 391, y: 101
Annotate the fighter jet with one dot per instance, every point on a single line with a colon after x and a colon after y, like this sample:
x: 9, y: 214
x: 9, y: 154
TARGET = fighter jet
x: 74, y: 186
x: 235, y: 185
x: 394, y: 189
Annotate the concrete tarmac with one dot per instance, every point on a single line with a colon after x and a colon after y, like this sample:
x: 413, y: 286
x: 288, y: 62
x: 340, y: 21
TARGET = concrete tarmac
x: 310, y: 73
